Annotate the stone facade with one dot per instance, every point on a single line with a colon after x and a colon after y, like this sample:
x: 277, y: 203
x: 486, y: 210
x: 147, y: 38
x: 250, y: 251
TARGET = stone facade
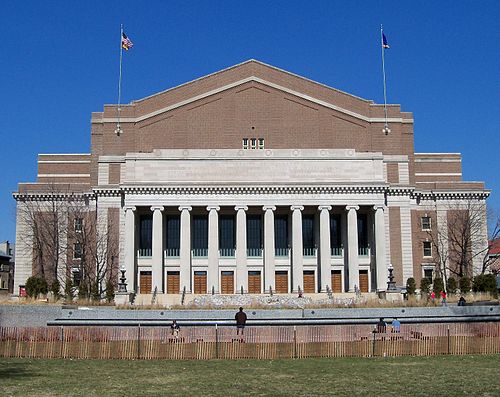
x: 253, y: 142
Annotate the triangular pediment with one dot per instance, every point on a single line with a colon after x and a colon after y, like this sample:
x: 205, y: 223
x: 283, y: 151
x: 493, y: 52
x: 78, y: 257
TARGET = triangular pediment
x: 254, y: 73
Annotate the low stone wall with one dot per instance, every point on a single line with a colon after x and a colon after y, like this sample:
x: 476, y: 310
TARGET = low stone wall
x: 36, y: 316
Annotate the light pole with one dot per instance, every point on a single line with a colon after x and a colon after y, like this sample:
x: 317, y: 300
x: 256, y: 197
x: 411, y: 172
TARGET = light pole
x: 391, y: 285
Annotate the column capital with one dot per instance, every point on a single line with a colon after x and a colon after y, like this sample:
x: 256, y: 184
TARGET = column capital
x: 157, y: 208
x: 324, y: 207
x: 268, y: 207
x: 352, y: 207
x: 129, y: 208
x: 297, y: 207
x: 185, y: 207
x: 213, y: 207
x: 240, y: 207
x: 379, y: 207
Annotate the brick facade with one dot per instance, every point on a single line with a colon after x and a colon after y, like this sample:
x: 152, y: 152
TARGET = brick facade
x: 292, y: 115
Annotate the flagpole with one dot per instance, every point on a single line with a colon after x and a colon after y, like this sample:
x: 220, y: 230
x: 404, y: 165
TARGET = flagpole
x: 118, y: 126
x: 386, y: 126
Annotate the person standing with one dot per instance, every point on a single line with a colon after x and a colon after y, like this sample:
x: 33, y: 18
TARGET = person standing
x: 381, y: 326
x: 241, y: 320
x: 396, y: 326
x: 443, y: 298
x: 433, y: 297
x: 175, y: 329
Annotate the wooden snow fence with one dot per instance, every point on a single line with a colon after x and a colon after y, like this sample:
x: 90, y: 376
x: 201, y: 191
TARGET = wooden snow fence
x: 258, y: 342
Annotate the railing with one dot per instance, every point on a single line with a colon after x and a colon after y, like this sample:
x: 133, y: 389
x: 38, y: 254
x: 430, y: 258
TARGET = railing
x: 144, y: 252
x: 309, y: 251
x: 258, y: 342
x: 226, y: 252
x: 254, y: 252
x: 200, y: 252
x: 281, y: 251
x: 172, y: 252
x: 363, y: 251
x: 337, y: 251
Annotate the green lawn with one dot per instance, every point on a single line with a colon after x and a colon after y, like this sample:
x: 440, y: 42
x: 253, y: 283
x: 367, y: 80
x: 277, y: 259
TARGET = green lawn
x: 412, y: 376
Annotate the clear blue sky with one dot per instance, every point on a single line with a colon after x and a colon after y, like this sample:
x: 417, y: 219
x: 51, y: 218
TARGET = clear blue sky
x: 59, y: 62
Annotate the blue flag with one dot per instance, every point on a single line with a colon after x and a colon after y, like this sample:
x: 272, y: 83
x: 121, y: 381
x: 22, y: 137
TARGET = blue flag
x: 384, y: 41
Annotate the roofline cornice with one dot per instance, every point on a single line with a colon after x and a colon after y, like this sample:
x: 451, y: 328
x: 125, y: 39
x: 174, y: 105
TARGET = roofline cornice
x: 58, y: 196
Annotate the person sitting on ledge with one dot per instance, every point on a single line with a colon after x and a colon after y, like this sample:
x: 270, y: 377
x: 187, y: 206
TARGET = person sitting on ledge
x: 461, y: 301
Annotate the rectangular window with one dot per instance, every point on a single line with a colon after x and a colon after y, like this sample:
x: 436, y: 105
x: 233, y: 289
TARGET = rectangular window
x: 173, y: 235
x: 254, y: 232
x: 253, y: 143
x: 428, y: 273
x: 145, y: 235
x: 200, y: 235
x: 427, y: 249
x: 77, y: 277
x: 227, y: 235
x: 281, y: 234
x: 426, y: 223
x: 77, y: 251
x: 261, y: 143
x: 308, y: 235
x: 362, y: 231
x: 245, y: 143
x: 78, y: 225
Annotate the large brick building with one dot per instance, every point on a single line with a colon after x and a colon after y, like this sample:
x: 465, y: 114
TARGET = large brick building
x: 250, y: 179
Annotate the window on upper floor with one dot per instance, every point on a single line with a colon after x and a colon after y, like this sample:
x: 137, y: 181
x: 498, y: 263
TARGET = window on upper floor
x: 77, y: 251
x: 252, y: 143
x: 427, y: 246
x: 426, y: 223
x: 78, y: 225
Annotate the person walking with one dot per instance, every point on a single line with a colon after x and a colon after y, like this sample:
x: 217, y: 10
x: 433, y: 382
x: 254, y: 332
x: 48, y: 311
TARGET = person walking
x: 241, y: 320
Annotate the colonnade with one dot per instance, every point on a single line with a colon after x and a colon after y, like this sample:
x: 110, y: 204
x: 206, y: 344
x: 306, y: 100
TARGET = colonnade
x: 269, y: 257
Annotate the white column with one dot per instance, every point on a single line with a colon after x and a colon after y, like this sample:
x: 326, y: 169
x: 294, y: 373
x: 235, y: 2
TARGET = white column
x: 380, y: 259
x: 157, y: 254
x: 297, y: 249
x: 352, y: 246
x: 185, y: 249
x: 324, y: 247
x: 241, y: 248
x: 130, y: 273
x: 269, y: 248
x: 213, y: 249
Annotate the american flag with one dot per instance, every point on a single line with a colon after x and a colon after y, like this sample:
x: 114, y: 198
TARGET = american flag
x: 126, y: 43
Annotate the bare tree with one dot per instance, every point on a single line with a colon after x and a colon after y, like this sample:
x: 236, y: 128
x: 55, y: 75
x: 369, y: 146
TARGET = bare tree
x: 460, y: 239
x: 494, y: 233
x: 97, y: 244
x: 44, y: 217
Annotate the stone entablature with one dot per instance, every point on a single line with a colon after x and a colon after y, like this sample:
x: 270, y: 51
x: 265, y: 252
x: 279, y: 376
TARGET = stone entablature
x: 230, y: 166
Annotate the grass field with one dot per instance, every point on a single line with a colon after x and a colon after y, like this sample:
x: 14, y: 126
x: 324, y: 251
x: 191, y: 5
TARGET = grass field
x: 402, y: 376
